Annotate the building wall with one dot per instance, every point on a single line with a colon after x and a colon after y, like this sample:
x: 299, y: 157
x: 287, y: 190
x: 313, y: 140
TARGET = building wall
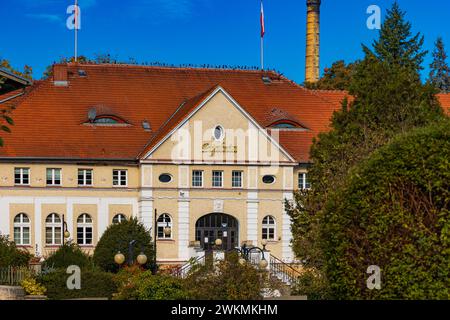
x: 144, y: 192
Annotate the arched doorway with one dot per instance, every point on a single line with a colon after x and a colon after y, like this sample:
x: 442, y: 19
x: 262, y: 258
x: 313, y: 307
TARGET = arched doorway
x: 217, y: 226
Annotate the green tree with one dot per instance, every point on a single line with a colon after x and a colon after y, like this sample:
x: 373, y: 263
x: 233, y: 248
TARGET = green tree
x: 396, y: 45
x: 394, y: 212
x: 440, y: 72
x: 10, y: 255
x: 337, y: 77
x: 66, y: 255
x: 390, y: 99
x: 116, y: 238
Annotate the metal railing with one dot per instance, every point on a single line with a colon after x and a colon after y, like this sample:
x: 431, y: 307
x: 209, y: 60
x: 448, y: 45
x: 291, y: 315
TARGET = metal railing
x: 283, y: 271
x: 184, y: 270
x: 13, y: 276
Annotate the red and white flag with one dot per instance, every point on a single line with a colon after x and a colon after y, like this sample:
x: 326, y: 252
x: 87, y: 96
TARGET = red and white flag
x: 263, y: 29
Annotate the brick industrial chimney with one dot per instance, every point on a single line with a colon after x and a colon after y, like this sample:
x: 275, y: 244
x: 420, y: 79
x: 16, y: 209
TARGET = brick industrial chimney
x: 312, y: 41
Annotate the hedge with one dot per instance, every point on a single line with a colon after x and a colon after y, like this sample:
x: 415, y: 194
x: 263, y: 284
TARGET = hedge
x: 94, y: 284
x: 393, y: 212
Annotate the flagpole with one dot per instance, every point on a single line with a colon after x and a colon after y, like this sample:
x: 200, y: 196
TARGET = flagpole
x: 262, y: 35
x: 262, y: 53
x: 76, y: 30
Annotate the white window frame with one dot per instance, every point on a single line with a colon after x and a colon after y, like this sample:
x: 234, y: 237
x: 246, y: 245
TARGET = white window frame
x: 241, y: 179
x: 202, y: 175
x: 84, y: 172
x: 119, y: 177
x: 53, y: 176
x: 269, y: 226
x: 302, y: 181
x: 84, y: 226
x: 22, y: 225
x: 53, y: 225
x: 119, y: 218
x: 213, y: 178
x: 163, y: 224
x: 21, y: 176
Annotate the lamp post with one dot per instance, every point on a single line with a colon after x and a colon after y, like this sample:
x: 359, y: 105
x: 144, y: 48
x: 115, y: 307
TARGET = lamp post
x: 66, y: 233
x: 245, y: 254
x: 141, y: 259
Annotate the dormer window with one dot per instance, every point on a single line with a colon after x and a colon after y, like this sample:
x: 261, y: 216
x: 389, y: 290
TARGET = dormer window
x: 286, y: 124
x: 105, y: 120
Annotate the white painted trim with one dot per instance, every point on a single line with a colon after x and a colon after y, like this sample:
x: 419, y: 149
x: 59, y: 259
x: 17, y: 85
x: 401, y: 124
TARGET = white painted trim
x: 252, y: 217
x: 286, y: 233
x: 237, y: 105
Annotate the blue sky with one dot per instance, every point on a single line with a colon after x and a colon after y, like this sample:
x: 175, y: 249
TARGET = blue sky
x: 217, y: 32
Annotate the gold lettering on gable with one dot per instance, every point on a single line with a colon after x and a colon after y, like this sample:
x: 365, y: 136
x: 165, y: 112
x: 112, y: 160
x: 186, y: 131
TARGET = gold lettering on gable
x: 212, y: 148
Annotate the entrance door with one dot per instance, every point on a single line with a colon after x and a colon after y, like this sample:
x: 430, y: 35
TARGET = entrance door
x: 217, y: 226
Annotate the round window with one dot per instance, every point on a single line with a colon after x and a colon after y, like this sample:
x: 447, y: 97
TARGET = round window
x: 268, y: 179
x: 218, y: 133
x: 165, y: 178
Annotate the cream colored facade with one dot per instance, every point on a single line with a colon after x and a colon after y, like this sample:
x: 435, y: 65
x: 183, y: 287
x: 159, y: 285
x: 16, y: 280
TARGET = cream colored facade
x: 244, y: 147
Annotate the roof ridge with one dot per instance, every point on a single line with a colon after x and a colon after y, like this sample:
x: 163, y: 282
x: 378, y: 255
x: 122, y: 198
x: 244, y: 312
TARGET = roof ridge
x: 171, y: 67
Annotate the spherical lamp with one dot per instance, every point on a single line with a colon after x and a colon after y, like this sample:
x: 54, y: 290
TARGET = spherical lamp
x: 218, y: 242
x: 66, y: 234
x: 142, y: 259
x: 119, y: 258
x: 167, y: 231
x: 263, y: 263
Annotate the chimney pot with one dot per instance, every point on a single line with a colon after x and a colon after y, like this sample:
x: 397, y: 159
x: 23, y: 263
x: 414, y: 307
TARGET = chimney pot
x: 60, y: 77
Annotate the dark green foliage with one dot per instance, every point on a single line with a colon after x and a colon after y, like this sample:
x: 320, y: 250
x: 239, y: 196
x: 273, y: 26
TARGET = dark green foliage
x: 116, y: 238
x: 66, y: 255
x: 94, y: 284
x: 396, y: 44
x: 389, y: 100
x: 337, y: 77
x: 229, y: 281
x: 137, y: 285
x: 440, y: 72
x: 394, y: 212
x: 10, y: 255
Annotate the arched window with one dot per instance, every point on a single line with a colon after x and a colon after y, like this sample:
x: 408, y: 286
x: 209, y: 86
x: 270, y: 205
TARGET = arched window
x: 164, y: 220
x: 268, y: 228
x: 53, y: 227
x: 84, y: 229
x: 22, y: 229
x: 118, y: 218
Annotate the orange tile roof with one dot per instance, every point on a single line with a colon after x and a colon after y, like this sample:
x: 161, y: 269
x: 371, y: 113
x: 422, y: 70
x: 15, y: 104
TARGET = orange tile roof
x: 444, y: 99
x: 49, y: 120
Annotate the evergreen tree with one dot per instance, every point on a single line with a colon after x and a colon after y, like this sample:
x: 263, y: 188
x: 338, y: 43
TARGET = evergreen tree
x: 389, y: 99
x: 396, y: 45
x: 440, y: 72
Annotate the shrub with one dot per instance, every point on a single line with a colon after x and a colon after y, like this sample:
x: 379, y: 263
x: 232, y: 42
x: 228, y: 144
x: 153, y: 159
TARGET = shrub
x: 313, y: 285
x: 94, y: 284
x: 10, y: 255
x: 116, y: 238
x: 66, y: 255
x: 229, y: 280
x: 32, y: 287
x: 146, y: 286
x: 394, y: 212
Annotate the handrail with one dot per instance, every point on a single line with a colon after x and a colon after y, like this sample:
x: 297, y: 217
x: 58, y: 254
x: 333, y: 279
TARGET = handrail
x: 282, y: 269
x: 181, y: 271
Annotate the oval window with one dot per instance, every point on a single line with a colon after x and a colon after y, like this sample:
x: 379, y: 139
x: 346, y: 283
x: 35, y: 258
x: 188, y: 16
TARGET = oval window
x: 165, y: 178
x: 218, y: 133
x: 268, y: 179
